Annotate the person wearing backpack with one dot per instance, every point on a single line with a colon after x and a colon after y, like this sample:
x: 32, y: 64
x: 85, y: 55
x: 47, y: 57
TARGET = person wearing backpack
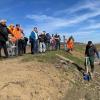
x: 90, y: 52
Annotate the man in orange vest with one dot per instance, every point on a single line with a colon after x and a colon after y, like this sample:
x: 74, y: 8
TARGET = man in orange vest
x: 19, y: 37
x: 11, y: 30
x: 70, y: 44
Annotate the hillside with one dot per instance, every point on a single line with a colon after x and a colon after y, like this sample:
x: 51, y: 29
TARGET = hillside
x: 47, y: 77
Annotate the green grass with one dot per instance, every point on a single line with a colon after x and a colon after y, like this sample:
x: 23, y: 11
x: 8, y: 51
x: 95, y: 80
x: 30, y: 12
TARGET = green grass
x: 50, y: 57
x: 80, y: 48
x: 46, y: 57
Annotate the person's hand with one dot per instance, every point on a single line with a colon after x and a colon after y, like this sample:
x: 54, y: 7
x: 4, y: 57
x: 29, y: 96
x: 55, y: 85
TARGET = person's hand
x: 85, y: 56
x: 7, y: 42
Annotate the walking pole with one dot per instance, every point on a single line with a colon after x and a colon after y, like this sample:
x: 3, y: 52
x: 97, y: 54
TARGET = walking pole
x: 64, y: 43
x: 86, y: 61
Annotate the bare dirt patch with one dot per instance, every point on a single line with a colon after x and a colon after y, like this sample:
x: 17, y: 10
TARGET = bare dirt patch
x: 30, y: 81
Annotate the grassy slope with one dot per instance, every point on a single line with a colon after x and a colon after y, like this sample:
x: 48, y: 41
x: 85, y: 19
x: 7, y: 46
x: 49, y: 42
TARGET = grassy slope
x: 51, y: 56
x: 87, y: 90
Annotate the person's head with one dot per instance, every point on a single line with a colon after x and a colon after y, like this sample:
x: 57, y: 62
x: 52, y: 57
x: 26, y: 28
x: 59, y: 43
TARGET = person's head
x: 35, y: 29
x: 56, y: 34
x: 3, y: 22
x: 90, y: 43
x: 11, y: 26
x: 71, y: 38
x: 47, y: 34
x: 9, y: 36
x: 18, y: 26
x: 44, y: 32
x: 52, y: 35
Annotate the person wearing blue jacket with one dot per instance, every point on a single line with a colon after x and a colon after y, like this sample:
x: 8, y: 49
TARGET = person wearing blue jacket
x: 34, y: 40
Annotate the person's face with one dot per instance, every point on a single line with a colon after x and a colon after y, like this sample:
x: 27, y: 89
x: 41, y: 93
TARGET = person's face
x: 35, y: 29
x: 44, y: 32
x: 3, y: 23
x: 18, y: 27
x: 91, y: 45
x: 12, y: 26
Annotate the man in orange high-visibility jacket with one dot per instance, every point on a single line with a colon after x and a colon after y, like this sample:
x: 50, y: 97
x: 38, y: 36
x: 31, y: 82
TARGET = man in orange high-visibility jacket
x: 70, y: 44
x: 19, y: 37
x: 11, y: 30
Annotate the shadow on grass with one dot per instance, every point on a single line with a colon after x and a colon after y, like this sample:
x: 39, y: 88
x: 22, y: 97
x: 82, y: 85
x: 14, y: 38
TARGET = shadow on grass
x: 79, y: 68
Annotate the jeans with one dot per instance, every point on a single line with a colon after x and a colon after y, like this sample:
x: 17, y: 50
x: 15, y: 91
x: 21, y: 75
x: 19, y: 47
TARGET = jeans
x: 42, y: 47
x: 34, y: 46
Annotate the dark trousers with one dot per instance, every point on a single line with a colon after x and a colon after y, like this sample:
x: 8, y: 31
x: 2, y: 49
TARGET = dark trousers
x: 20, y: 47
x: 47, y: 45
x: 24, y: 49
x: 4, y: 46
x: 34, y: 46
x: 90, y: 61
x: 24, y: 44
x: 57, y: 46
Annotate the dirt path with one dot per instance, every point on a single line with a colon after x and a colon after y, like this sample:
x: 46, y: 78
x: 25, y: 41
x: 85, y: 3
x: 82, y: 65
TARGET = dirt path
x: 30, y: 81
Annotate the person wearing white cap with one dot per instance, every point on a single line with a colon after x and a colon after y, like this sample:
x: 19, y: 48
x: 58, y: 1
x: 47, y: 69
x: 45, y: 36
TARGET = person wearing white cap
x: 3, y: 21
x: 3, y: 37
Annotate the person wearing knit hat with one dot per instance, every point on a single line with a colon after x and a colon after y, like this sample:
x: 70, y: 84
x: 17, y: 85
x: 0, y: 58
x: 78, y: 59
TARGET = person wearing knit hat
x: 90, y: 52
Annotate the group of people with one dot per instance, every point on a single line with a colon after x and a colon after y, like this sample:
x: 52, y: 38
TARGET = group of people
x: 14, y: 42
x: 91, y: 53
x: 42, y: 42
x: 12, y: 37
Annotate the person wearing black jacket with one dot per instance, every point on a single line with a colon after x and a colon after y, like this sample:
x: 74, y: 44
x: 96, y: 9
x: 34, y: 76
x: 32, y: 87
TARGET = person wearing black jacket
x: 25, y: 40
x: 42, y: 41
x: 3, y: 37
x: 90, y: 52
